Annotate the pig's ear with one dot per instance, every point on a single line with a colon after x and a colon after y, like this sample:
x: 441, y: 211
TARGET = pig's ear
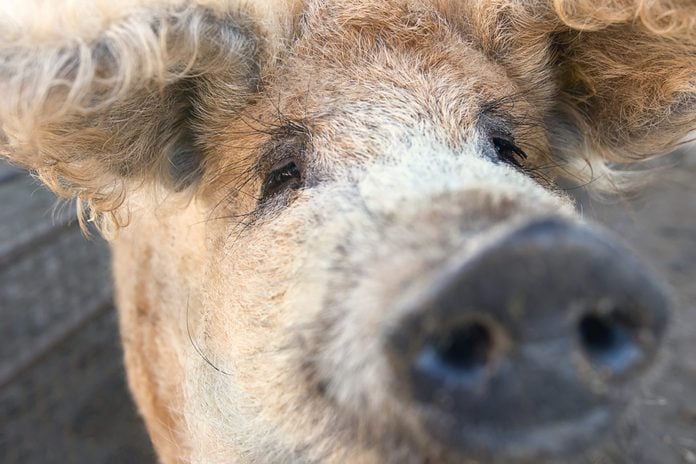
x: 627, y: 74
x: 617, y: 78
x: 98, y: 96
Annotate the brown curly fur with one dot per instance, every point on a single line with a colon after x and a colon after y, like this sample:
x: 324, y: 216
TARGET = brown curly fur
x: 620, y: 74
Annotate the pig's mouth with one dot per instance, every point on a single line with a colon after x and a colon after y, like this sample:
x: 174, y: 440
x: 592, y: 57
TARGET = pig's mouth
x: 508, y: 438
x: 532, y: 350
x: 541, y: 443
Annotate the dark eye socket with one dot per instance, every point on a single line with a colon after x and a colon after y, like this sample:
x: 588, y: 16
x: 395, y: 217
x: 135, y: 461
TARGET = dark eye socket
x: 283, y: 176
x: 508, y: 152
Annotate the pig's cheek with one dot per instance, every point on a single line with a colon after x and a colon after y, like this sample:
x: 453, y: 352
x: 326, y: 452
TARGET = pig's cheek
x: 266, y: 293
x: 242, y: 301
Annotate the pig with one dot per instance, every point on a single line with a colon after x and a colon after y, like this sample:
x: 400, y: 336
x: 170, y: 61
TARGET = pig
x: 337, y: 228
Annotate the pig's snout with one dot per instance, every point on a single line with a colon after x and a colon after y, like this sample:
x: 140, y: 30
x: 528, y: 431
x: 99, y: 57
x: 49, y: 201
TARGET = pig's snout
x: 529, y: 349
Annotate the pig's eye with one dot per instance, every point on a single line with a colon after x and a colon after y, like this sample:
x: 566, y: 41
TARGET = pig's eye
x: 508, y: 152
x: 284, y: 175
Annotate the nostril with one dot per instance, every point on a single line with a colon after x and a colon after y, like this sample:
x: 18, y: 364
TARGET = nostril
x: 467, y: 348
x: 460, y: 355
x: 599, y: 335
x: 610, y: 341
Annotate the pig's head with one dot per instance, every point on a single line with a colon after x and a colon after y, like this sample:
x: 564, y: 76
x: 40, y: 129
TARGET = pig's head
x: 336, y: 232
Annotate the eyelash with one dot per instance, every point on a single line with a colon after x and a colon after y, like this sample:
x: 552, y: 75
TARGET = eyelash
x: 285, y: 175
x: 508, y: 152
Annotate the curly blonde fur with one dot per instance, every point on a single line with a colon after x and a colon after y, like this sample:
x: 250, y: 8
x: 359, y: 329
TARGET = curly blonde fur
x: 629, y: 76
x: 93, y: 105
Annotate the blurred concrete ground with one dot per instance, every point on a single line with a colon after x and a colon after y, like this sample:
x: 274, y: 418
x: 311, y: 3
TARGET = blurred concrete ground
x: 660, y: 225
x: 62, y: 392
x: 63, y: 397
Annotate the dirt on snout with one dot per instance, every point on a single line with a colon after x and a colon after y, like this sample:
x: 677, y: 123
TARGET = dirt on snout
x: 660, y: 225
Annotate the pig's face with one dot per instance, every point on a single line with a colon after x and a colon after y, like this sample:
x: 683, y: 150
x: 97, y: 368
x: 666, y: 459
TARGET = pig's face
x: 340, y: 240
x: 372, y: 182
